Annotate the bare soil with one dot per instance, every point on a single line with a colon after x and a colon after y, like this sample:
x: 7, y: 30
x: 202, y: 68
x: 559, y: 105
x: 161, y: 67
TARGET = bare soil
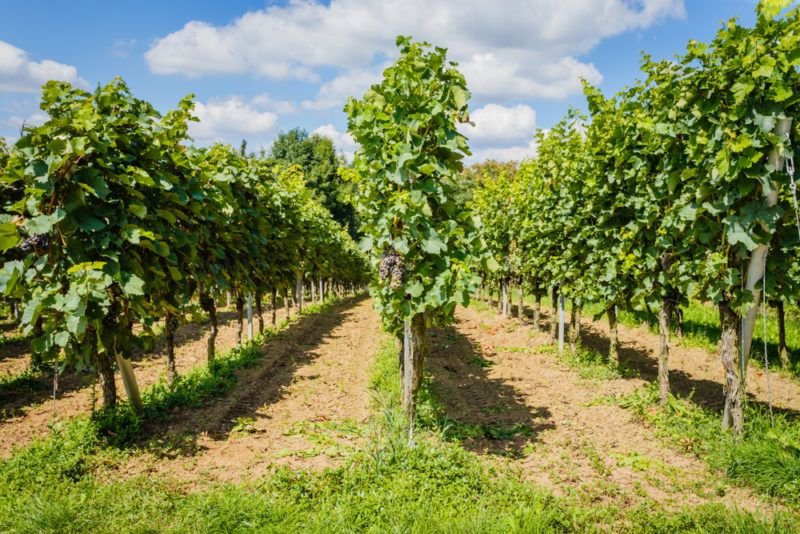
x: 304, y: 406
x: 27, y: 407
x: 498, y: 373
x: 694, y: 371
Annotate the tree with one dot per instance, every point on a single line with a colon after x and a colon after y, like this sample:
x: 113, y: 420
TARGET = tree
x: 316, y: 155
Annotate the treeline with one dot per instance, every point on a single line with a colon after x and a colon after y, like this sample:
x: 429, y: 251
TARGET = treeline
x: 111, y: 218
x: 675, y: 188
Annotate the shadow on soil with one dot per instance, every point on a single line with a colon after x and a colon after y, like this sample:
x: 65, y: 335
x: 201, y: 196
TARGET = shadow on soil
x: 14, y: 349
x: 705, y: 393
x: 486, y: 413
x: 30, y: 387
x: 260, y: 385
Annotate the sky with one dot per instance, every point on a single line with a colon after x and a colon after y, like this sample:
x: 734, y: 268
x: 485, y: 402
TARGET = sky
x: 258, y: 68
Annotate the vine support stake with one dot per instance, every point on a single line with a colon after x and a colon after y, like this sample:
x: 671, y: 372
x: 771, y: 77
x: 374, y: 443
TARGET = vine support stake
x: 250, y: 316
x: 129, y: 381
x: 298, y: 289
x: 561, y: 322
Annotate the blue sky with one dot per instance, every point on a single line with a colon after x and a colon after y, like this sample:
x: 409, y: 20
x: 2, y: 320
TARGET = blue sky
x: 258, y: 68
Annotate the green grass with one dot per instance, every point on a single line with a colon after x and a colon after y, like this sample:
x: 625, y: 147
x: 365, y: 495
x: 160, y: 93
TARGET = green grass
x: 8, y: 339
x: 766, y: 458
x: 66, y: 483
x: 589, y: 363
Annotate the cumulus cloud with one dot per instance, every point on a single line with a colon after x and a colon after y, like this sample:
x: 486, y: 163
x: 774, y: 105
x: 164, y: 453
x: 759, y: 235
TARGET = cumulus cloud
x: 19, y: 74
x: 265, y: 101
x: 531, y: 54
x: 353, y: 82
x: 343, y: 141
x: 496, y: 122
x: 501, y: 133
x: 512, y: 153
x: 229, y: 119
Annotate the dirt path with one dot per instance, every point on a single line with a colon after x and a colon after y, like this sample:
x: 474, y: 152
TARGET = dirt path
x: 304, y: 406
x: 487, y: 371
x: 28, y: 413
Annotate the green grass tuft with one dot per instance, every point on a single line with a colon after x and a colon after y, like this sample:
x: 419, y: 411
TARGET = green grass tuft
x: 766, y: 458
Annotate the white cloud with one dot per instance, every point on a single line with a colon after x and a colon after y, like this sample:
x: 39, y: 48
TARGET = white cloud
x: 343, y: 141
x: 508, y: 76
x: 496, y: 122
x: 265, y: 101
x: 230, y: 119
x: 501, y: 133
x: 18, y: 74
x: 513, y: 153
x: 34, y: 119
x: 335, y: 92
x: 509, y: 49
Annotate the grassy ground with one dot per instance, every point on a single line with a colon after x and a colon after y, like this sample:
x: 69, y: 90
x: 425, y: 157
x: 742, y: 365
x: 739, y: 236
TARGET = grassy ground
x: 65, y: 483
x: 766, y: 458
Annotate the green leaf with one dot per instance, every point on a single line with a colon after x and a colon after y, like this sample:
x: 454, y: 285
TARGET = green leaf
x: 8, y: 236
x: 415, y: 289
x: 766, y: 67
x: 87, y: 266
x: 738, y: 234
x: 741, y: 90
x: 76, y: 324
x: 132, y: 285
x: 434, y: 245
x: 138, y: 210
x: 61, y: 339
x: 91, y: 224
x: 91, y: 181
x: 42, y: 224
x: 460, y: 97
x: 491, y: 265
x: 10, y: 273
x: 366, y: 244
x: 169, y: 217
x: 688, y: 213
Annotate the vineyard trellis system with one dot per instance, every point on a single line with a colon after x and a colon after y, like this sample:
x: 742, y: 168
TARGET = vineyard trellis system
x: 673, y: 189
x: 110, y: 218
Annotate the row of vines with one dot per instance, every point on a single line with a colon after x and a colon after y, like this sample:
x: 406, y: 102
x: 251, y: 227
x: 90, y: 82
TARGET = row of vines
x: 111, y: 221
x: 673, y: 189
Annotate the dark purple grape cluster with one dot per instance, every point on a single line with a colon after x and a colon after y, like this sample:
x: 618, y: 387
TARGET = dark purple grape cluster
x: 36, y: 242
x: 392, y: 268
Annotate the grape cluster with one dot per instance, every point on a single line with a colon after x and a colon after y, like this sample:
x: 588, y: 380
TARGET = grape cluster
x: 37, y: 242
x: 392, y: 268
